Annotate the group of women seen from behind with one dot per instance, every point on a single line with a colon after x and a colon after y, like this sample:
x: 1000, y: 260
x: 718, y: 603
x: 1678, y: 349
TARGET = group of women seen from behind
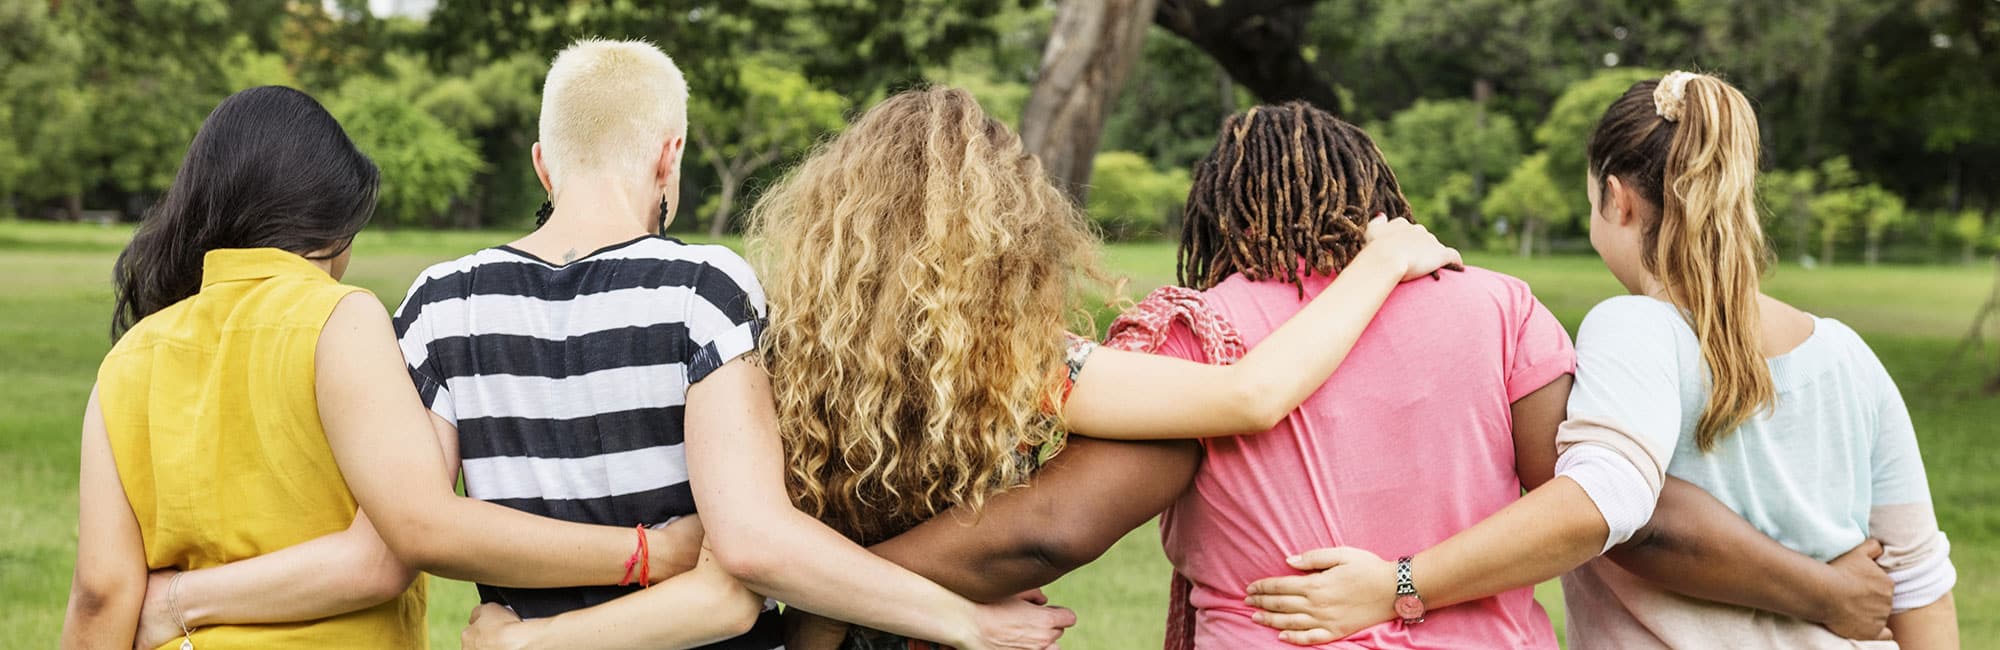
x: 920, y: 430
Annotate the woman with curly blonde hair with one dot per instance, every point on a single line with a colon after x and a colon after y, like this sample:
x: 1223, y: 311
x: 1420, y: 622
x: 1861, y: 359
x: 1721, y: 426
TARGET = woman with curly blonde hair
x: 925, y: 277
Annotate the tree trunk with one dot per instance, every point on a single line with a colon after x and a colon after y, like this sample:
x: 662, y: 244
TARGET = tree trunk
x: 1527, y: 238
x: 1965, y: 253
x: 1826, y: 251
x: 1093, y: 46
x: 1260, y: 42
x: 1873, y: 252
x: 73, y: 206
x: 719, y: 226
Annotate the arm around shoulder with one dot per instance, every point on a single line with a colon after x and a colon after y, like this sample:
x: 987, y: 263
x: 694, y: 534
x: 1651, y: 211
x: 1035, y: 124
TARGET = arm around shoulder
x: 382, y: 437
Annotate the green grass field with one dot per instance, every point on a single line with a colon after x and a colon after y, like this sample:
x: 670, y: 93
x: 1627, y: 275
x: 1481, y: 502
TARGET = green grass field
x: 55, y: 301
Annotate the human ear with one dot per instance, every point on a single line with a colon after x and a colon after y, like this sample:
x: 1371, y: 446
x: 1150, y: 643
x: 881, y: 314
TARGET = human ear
x: 542, y: 170
x: 1619, y: 202
x: 668, y: 166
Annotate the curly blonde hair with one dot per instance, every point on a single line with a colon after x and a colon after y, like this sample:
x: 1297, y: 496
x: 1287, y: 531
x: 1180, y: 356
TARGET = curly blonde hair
x: 920, y: 268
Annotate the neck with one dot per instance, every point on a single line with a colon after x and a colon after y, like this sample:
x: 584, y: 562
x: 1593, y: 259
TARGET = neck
x: 592, y: 212
x: 323, y: 265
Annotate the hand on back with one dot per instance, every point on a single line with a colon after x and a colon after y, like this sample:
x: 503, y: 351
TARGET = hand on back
x: 1347, y: 589
x: 1410, y: 247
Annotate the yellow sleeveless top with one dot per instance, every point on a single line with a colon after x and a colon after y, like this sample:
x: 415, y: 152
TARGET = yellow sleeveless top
x: 214, y: 424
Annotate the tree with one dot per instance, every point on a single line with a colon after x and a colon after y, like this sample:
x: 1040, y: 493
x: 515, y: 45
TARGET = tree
x: 1882, y: 212
x: 1785, y: 198
x: 780, y: 113
x: 1262, y: 43
x: 1967, y: 229
x: 424, y: 163
x: 1531, y: 198
x: 1092, y: 48
x: 1433, y: 140
x: 1171, y: 106
x: 1131, y: 198
x: 1574, y: 115
x: 1837, y: 207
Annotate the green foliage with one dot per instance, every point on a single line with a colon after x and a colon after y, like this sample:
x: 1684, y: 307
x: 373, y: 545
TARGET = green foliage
x: 1967, y: 227
x: 424, y: 163
x: 1441, y: 151
x: 1530, y: 199
x: 1130, y: 199
x: 1566, y: 130
x: 1784, y: 197
x: 778, y: 113
x: 1172, y: 105
x: 1435, y: 207
x: 1844, y: 202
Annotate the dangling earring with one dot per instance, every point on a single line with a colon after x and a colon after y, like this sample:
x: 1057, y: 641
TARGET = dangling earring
x: 542, y: 215
x: 664, y: 212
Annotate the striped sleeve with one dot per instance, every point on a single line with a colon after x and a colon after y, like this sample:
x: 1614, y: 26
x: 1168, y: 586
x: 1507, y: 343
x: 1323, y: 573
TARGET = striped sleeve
x: 414, y: 336
x: 725, y: 313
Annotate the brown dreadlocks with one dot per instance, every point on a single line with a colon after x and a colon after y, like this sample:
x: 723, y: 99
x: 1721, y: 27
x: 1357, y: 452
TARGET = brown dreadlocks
x: 1287, y: 191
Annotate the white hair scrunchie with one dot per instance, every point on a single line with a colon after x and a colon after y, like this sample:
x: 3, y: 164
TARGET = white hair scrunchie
x: 1670, y: 97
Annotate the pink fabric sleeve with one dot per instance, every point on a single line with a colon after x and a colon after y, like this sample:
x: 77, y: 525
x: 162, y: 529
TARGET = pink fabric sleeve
x: 1177, y: 322
x: 1541, y: 350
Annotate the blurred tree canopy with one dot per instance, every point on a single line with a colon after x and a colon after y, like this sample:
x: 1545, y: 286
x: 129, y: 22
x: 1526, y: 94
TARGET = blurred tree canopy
x: 1134, y: 200
x: 1481, y: 104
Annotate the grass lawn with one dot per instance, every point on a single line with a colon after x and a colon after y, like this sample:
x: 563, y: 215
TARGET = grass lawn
x: 55, y: 300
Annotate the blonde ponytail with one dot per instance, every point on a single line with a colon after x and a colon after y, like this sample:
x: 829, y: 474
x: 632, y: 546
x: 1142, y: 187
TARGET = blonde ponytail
x: 1690, y: 143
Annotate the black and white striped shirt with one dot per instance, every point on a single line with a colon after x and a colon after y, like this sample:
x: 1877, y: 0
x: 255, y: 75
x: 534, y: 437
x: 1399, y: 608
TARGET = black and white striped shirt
x: 567, y: 383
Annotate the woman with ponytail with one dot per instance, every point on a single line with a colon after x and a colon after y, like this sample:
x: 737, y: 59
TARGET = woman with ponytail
x: 1786, y: 418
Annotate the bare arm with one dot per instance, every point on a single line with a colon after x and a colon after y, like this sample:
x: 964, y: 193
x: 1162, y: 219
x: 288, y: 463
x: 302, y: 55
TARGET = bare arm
x: 1071, y: 512
x: 1137, y: 396
x: 700, y: 607
x: 383, y: 439
x: 1931, y: 627
x: 1086, y: 499
x: 1552, y: 529
x: 735, y: 464
x: 325, y: 576
x: 1698, y: 547
x: 110, y: 579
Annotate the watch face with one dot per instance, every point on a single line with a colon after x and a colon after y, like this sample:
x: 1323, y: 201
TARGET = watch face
x: 1410, y: 608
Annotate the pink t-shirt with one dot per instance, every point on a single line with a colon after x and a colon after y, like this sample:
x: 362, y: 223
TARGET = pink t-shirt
x: 1410, y: 441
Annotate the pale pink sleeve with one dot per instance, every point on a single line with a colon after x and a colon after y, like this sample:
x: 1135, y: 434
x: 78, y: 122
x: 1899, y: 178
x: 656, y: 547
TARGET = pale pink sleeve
x: 1541, y: 349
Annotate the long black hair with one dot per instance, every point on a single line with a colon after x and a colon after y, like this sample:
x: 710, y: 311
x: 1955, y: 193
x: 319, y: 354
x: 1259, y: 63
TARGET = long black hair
x: 270, y: 168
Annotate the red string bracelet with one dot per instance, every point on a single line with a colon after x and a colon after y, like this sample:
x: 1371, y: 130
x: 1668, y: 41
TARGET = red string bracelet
x: 641, y: 558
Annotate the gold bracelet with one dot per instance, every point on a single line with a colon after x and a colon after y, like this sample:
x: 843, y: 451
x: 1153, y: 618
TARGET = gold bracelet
x: 174, y: 607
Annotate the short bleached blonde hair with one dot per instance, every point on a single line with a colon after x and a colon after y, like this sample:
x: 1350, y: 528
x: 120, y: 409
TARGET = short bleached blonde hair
x: 608, y: 106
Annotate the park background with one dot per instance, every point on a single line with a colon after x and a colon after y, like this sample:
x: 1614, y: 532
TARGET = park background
x: 1881, y: 128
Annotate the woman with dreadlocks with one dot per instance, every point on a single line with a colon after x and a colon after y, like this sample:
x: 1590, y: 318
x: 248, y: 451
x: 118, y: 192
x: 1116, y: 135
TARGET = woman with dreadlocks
x: 920, y: 268
x: 1787, y: 417
x: 1423, y: 408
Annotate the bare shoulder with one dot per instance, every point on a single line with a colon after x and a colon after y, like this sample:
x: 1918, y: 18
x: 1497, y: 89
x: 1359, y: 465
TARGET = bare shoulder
x: 1785, y: 327
x: 357, y: 321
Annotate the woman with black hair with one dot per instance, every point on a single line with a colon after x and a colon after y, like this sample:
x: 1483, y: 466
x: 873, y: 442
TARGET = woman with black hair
x: 241, y: 363
x: 202, y: 441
